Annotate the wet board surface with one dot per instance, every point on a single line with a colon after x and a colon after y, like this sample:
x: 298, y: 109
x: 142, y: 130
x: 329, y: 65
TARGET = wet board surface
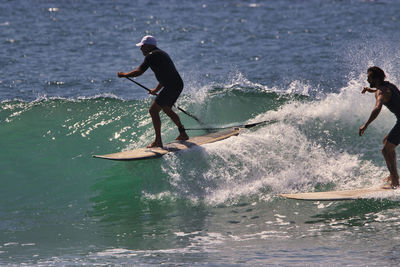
x: 147, y: 153
x: 344, y: 195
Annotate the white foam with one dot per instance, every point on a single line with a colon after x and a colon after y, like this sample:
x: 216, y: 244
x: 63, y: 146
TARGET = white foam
x: 290, y: 155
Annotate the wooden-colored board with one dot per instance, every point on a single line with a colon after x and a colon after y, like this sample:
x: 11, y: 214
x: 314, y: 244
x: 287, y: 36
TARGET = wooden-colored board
x: 343, y: 195
x: 147, y: 153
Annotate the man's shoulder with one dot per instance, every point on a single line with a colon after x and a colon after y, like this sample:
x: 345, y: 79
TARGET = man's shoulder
x: 390, y: 85
x: 156, y: 55
x: 385, y: 92
x: 157, y: 52
x: 389, y: 89
x: 385, y: 86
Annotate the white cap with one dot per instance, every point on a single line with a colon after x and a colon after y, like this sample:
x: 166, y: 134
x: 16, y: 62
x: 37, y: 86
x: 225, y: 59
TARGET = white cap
x: 148, y: 39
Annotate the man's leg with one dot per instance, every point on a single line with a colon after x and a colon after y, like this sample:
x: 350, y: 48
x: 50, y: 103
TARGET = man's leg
x: 389, y: 153
x: 175, y: 118
x: 155, y: 117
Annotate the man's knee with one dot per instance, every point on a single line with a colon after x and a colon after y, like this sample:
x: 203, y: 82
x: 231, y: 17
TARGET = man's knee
x: 385, y: 139
x: 388, y: 148
x: 385, y: 151
x: 154, y: 109
x: 167, y: 110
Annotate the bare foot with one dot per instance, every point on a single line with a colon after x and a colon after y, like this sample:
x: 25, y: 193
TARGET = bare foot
x: 387, y: 179
x: 389, y: 183
x: 394, y: 182
x: 155, y: 144
x: 389, y: 186
x: 182, y: 137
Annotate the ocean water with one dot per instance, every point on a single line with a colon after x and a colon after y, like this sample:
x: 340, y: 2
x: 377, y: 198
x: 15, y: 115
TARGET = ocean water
x: 300, y: 64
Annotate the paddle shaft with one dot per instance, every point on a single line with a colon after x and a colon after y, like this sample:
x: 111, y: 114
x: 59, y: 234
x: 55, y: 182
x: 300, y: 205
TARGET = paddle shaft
x: 246, y: 126
x: 184, y: 111
x: 144, y: 87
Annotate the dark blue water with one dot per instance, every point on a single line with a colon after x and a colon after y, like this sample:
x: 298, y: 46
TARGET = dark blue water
x: 301, y: 64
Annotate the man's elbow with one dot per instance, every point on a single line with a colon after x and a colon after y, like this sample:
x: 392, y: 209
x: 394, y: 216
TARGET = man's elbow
x: 377, y: 109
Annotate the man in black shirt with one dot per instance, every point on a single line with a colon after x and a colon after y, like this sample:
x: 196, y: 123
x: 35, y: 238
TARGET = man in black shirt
x: 386, y: 94
x: 168, y: 79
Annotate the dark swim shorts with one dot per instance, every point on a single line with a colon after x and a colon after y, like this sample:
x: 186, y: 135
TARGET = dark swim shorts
x: 394, y: 134
x: 169, y: 95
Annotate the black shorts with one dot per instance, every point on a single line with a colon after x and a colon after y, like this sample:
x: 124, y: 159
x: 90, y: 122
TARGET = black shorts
x: 394, y: 134
x: 168, y: 95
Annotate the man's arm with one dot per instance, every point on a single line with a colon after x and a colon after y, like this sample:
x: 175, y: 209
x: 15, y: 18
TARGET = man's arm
x: 375, y: 112
x: 369, y: 90
x: 136, y: 72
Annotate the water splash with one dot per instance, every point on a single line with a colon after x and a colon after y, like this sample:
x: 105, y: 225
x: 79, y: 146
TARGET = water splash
x: 313, y: 146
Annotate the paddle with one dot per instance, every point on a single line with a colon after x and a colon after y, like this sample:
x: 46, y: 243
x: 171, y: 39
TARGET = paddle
x: 246, y: 126
x: 184, y: 111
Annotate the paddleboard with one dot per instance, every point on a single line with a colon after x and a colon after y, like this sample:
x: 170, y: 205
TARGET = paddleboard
x: 175, y: 146
x: 342, y: 195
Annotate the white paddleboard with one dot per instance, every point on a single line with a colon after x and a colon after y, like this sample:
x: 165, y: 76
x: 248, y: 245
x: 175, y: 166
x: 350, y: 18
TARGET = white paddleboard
x: 147, y: 153
x: 344, y: 195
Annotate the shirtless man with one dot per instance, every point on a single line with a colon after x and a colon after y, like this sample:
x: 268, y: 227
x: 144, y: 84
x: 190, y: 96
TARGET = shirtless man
x: 168, y: 78
x: 386, y: 94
